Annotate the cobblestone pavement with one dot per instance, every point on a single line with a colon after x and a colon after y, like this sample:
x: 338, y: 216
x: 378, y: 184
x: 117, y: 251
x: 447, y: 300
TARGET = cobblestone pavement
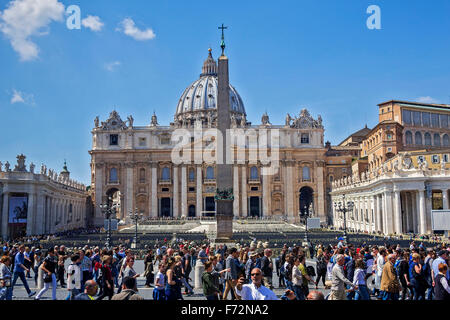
x: 61, y: 293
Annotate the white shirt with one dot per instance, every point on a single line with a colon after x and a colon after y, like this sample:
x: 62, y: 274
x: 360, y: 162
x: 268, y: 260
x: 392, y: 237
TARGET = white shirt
x: 380, y: 264
x: 73, y: 280
x: 251, y: 292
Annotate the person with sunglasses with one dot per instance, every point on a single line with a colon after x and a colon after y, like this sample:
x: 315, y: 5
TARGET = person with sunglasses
x: 255, y: 290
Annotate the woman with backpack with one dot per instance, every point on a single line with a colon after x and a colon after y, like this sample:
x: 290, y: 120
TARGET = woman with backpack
x: 322, y: 262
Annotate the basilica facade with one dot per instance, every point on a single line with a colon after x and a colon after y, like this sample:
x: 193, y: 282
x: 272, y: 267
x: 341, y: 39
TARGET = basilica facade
x: 134, y: 165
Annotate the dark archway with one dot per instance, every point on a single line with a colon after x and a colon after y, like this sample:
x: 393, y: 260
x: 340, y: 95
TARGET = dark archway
x: 305, y: 199
x: 210, y: 205
x: 113, y: 197
x: 254, y: 207
x: 191, y: 211
x: 165, y: 207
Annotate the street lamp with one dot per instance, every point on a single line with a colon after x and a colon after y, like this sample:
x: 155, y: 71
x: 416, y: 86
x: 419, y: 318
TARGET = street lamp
x: 108, y: 209
x: 344, y: 208
x: 305, y: 215
x: 135, y: 217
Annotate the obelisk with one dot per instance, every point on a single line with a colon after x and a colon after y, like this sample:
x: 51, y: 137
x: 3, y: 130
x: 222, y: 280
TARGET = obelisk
x: 224, y: 181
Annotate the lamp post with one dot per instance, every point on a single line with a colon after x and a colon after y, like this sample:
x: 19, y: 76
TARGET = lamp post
x: 305, y: 216
x: 109, y: 209
x: 135, y: 217
x: 344, y: 208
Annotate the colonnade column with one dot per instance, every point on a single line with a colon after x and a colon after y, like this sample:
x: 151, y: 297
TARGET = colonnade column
x: 129, y: 192
x: 154, y: 202
x: 199, y: 189
x: 5, y: 214
x: 244, y: 190
x: 175, y: 192
x: 266, y: 195
x: 31, y: 213
x: 422, y: 213
x: 236, y: 190
x: 397, y: 212
x: 184, y: 212
x: 290, y: 190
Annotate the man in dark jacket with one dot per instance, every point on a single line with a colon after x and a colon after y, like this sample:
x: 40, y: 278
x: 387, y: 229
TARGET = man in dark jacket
x: 267, y: 268
x: 231, y: 277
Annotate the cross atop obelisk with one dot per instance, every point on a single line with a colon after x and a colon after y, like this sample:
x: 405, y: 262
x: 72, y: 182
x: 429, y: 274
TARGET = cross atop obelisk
x: 222, y: 44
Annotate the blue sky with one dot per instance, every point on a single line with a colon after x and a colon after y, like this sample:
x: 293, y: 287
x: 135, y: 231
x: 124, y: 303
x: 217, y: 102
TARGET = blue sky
x: 284, y: 56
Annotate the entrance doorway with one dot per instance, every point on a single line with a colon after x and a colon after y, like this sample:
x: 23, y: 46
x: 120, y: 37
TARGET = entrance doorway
x: 165, y: 207
x: 306, y: 199
x: 254, y: 207
x: 210, y: 205
x: 191, y: 211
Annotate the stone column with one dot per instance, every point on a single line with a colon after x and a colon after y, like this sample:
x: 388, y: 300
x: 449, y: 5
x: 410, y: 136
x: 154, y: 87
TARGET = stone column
x: 389, y: 212
x: 266, y: 208
x: 31, y: 215
x: 5, y: 215
x: 236, y: 191
x: 397, y: 212
x: 154, y: 202
x: 290, y: 191
x: 129, y: 192
x: 445, y: 203
x: 184, y: 212
x: 244, y: 191
x: 320, y: 191
x: 385, y: 214
x: 375, y: 221
x: 99, y: 180
x: 40, y: 214
x: 415, y: 217
x: 176, y: 212
x: 422, y: 213
x: 199, y: 189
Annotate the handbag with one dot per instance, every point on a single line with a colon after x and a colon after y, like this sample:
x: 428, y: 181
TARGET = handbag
x: 48, y: 278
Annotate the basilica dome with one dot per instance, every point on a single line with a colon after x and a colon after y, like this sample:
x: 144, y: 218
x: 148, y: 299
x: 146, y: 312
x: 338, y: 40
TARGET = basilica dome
x: 201, y: 95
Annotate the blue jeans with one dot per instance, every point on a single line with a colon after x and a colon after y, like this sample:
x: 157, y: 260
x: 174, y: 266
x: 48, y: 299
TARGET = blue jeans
x: 6, y: 293
x: 362, y: 293
x: 390, y: 296
x: 212, y: 297
x: 299, y: 292
x: 20, y: 275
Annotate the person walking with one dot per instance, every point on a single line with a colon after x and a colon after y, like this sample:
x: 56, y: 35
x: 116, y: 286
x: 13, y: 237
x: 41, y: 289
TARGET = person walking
x: 231, y: 276
x: 171, y: 290
x: 390, y: 286
x: 148, y: 274
x: 158, y: 292
x: 321, y: 268
x: 403, y: 275
x: 106, y: 279
x: 297, y: 280
x: 359, y: 280
x: 49, y: 267
x: 339, y: 281
x: 417, y: 277
x: 267, y: 268
x: 19, y: 271
x: 5, y: 278
x: 73, y: 278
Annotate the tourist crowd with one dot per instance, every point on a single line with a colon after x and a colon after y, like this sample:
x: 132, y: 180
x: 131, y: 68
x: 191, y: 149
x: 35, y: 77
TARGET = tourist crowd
x: 347, y: 272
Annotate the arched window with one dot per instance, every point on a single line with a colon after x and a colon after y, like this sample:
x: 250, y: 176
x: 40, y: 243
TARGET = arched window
x: 427, y: 139
x: 305, y: 138
x: 165, y: 174
x: 142, y: 175
x: 254, y: 173
x: 305, y: 174
x: 113, y: 175
x: 331, y: 178
x: 445, y: 140
x: 408, y: 136
x: 437, y: 140
x: 210, y: 173
x: 418, y: 138
x: 191, y: 175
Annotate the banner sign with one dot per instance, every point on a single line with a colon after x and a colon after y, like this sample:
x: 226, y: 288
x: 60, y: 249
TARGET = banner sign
x: 18, y: 209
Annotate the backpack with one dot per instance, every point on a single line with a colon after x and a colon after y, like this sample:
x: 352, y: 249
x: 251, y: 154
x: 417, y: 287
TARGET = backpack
x: 310, y: 270
x: 397, y: 268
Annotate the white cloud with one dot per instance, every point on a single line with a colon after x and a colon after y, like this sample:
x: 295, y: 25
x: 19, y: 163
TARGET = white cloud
x: 22, y: 97
x: 427, y: 99
x: 23, y: 19
x: 92, y: 22
x: 128, y: 27
x: 111, y: 66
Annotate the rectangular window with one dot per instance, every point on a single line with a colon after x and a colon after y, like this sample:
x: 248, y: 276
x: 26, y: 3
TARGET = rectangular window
x: 426, y: 119
x: 416, y: 118
x: 420, y: 159
x: 435, y: 158
x: 142, y: 142
x: 165, y: 140
x: 113, y: 139
x: 304, y: 138
x: 435, y: 120
x: 445, y: 158
x: 254, y: 189
x: 406, y: 115
x: 444, y: 121
x: 389, y: 149
x: 191, y: 189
